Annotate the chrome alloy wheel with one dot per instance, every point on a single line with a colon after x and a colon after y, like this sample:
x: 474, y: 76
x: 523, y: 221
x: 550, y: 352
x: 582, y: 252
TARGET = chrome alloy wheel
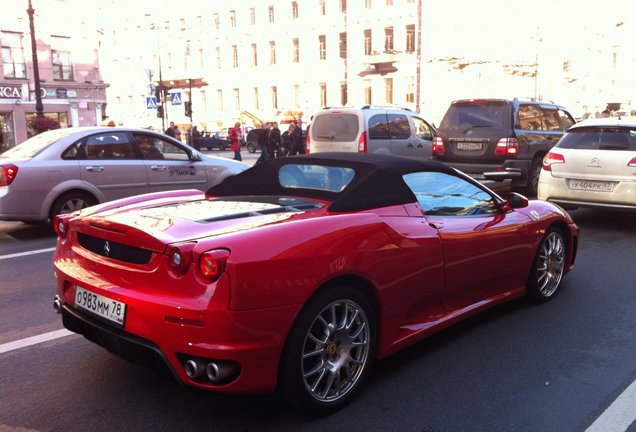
x: 335, y: 351
x: 550, y: 263
x: 73, y: 204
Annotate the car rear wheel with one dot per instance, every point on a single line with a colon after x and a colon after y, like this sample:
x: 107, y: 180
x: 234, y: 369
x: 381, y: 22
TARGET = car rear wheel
x: 548, y: 267
x: 70, y: 202
x: 533, y: 177
x: 329, y: 351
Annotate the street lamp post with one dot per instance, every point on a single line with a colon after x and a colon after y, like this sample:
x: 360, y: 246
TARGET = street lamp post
x: 39, y: 108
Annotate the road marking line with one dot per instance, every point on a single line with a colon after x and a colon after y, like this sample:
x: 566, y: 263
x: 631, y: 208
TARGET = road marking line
x: 33, y: 340
x: 619, y: 415
x: 15, y: 255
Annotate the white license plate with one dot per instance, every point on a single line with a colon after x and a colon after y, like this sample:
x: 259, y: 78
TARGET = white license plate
x: 468, y: 146
x: 589, y: 185
x: 99, y: 305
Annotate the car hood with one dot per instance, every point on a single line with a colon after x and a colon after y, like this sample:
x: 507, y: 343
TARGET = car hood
x: 155, y: 224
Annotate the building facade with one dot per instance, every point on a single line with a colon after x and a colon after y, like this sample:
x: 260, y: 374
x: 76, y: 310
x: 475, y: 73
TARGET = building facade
x: 72, y: 89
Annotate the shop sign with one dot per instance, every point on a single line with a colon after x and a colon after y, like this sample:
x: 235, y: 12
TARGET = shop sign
x: 10, y: 92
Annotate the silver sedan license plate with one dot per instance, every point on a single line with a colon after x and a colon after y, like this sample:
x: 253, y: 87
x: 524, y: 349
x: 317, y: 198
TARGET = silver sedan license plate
x: 588, y: 185
x: 99, y: 305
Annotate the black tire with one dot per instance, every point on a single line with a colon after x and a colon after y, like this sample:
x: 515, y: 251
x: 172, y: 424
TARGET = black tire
x: 533, y: 177
x: 548, y: 266
x: 70, y: 202
x: 325, y: 361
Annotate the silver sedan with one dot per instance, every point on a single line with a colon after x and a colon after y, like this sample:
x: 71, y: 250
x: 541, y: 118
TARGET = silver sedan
x: 64, y: 170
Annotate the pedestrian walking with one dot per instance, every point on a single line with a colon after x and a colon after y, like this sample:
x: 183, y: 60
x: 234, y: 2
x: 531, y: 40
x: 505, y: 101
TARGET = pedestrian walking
x: 263, y: 143
x: 170, y: 131
x: 275, y: 142
x: 235, y: 140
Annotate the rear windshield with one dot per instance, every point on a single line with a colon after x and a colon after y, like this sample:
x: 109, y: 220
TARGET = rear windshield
x: 318, y: 177
x: 33, y: 146
x: 465, y: 116
x: 335, y: 127
x: 600, y: 138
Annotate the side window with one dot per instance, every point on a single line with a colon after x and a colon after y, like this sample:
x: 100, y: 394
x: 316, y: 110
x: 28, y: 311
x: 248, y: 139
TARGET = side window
x: 156, y: 148
x: 399, y: 126
x: 442, y: 194
x: 566, y: 119
x: 529, y: 118
x: 551, y: 119
x: 111, y: 145
x: 379, y: 127
x: 422, y: 129
x: 71, y: 153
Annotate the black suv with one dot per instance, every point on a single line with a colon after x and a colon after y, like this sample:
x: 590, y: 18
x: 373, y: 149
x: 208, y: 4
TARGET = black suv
x: 499, y: 139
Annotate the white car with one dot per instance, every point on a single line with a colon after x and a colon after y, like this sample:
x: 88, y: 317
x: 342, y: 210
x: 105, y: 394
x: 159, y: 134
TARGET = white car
x: 64, y: 170
x: 592, y: 165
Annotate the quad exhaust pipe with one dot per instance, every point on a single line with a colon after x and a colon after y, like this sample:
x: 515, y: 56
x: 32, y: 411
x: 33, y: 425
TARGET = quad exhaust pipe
x: 214, y: 371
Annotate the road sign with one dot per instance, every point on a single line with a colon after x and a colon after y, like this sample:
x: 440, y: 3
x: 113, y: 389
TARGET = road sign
x: 151, y: 102
x: 176, y: 98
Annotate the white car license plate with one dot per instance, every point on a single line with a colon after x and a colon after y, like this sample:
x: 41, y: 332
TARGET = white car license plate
x: 469, y: 146
x: 588, y: 185
x: 99, y: 305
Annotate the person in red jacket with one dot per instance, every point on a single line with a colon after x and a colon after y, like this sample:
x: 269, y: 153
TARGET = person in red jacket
x: 235, y: 140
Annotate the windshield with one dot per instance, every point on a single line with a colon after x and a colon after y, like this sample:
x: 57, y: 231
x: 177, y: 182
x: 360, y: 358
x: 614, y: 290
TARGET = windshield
x: 465, y: 116
x: 600, y: 138
x: 34, y: 145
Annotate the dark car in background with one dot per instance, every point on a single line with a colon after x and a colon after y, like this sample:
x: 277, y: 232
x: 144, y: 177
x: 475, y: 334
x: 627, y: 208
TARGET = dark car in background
x: 211, y: 141
x: 499, y: 139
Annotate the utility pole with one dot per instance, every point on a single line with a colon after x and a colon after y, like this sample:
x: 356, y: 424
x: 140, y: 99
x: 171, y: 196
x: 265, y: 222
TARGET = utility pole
x: 39, y: 108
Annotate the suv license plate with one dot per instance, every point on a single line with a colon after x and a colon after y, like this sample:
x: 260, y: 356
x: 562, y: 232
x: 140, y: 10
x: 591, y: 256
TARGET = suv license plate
x: 588, y: 185
x: 101, y: 306
x: 468, y: 146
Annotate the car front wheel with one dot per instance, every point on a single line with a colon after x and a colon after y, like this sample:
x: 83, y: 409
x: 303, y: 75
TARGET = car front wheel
x: 548, y: 266
x: 329, y: 351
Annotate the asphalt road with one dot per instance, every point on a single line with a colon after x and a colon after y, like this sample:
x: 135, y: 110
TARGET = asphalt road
x: 519, y: 367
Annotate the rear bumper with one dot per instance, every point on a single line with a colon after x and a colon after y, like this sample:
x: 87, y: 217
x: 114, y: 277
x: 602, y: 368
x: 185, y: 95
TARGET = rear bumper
x: 556, y: 190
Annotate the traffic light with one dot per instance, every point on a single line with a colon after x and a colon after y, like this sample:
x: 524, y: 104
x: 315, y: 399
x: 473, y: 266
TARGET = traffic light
x: 160, y: 111
x: 188, y: 108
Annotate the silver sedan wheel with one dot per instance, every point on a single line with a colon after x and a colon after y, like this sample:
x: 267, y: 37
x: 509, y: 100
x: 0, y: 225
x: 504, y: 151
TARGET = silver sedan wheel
x: 335, y: 351
x: 73, y: 204
x: 550, y: 264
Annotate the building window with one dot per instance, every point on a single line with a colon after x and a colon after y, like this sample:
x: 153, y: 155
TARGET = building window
x: 217, y: 21
x: 253, y: 16
x: 343, y: 94
x: 321, y: 8
x: 274, y: 97
x: 270, y: 15
x: 296, y: 50
x: 237, y: 99
x: 368, y: 99
x: 410, y: 90
x: 297, y: 95
x: 410, y: 38
x: 62, y: 66
x: 343, y: 45
x: 218, y: 58
x: 323, y: 94
x: 567, y: 65
x: 14, y: 65
x: 257, y: 103
x: 367, y: 42
x: 233, y: 18
x: 219, y: 99
x: 368, y: 4
x: 343, y: 6
x: 7, y: 134
x: 389, y: 2
x: 614, y: 59
x: 388, y: 90
x: 388, y: 39
x: 322, y: 44
x: 234, y: 56
x: 294, y: 10
x: 254, y: 55
x: 272, y: 52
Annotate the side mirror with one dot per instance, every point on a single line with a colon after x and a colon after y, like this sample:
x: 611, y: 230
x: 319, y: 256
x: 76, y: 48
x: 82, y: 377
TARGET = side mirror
x: 195, y: 156
x: 515, y: 200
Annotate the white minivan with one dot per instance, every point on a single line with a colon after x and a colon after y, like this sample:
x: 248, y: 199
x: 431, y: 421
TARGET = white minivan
x: 370, y: 129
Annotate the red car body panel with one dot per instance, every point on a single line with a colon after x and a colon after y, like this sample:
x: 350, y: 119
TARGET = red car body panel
x: 424, y: 273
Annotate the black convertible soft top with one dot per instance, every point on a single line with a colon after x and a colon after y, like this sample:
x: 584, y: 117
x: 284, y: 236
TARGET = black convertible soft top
x: 377, y: 183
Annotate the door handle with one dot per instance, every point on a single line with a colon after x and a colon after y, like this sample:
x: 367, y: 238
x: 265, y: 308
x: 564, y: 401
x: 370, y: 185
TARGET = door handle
x: 436, y: 225
x: 158, y: 167
x: 95, y: 168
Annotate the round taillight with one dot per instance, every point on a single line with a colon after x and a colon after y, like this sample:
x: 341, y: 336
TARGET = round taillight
x: 212, y: 263
x: 59, y: 225
x: 179, y: 257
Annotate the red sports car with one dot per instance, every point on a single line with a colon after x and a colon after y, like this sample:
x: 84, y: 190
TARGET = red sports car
x: 296, y: 274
